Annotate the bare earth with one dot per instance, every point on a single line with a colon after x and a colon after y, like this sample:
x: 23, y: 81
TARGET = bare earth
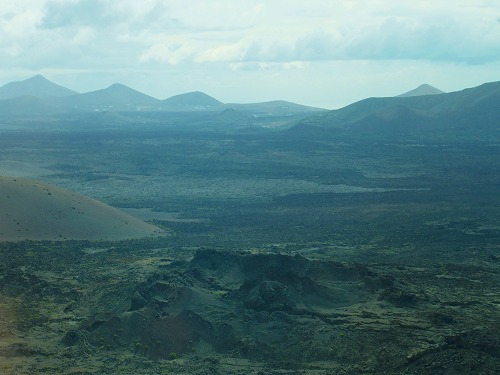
x: 32, y: 210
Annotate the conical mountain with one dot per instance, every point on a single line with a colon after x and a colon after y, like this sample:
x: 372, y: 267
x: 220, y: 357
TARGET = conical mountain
x: 35, y: 86
x: 190, y: 101
x: 115, y: 97
x: 421, y: 90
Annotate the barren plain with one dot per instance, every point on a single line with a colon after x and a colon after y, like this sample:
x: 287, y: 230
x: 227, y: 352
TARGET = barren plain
x: 339, y: 254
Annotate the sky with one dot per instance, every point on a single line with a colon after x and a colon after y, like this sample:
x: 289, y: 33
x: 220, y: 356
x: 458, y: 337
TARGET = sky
x: 324, y: 53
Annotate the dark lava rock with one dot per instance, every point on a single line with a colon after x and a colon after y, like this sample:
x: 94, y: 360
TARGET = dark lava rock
x: 137, y: 302
x: 267, y: 295
x: 262, y: 316
x: 399, y: 297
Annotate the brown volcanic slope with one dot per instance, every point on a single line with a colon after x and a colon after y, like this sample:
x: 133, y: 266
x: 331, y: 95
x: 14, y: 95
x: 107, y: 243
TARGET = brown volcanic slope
x: 33, y: 210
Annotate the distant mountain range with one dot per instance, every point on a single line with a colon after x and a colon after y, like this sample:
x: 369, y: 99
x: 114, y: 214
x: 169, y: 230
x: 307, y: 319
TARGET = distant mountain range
x: 424, y: 109
x: 475, y: 108
x: 39, y: 96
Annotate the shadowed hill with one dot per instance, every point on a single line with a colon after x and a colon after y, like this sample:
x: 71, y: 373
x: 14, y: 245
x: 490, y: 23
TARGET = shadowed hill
x: 36, y: 86
x: 33, y: 210
x: 474, y: 108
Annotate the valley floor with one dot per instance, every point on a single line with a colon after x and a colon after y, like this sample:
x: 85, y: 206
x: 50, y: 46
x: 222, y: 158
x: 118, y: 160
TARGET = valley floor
x: 284, y: 256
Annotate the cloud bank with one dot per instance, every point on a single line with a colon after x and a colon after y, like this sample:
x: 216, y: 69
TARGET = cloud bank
x: 242, y: 35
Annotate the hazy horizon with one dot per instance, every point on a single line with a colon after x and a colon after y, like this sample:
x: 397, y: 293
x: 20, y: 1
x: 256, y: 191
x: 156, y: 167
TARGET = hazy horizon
x: 420, y: 87
x: 318, y: 53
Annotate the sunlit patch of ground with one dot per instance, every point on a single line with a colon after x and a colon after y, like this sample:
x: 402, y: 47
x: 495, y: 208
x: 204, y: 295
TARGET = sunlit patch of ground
x: 32, y: 210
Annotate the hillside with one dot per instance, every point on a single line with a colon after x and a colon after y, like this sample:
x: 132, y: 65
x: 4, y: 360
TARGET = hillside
x: 474, y: 108
x: 35, y: 86
x: 33, y: 210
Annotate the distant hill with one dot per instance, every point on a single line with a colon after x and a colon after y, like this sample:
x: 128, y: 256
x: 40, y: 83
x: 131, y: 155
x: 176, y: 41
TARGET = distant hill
x: 475, y: 108
x: 231, y: 115
x: 116, y: 97
x: 37, y: 211
x: 272, y: 108
x: 35, y: 86
x: 49, y: 98
x: 190, y: 101
x: 424, y: 89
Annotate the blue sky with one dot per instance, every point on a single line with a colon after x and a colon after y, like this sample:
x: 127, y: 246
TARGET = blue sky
x: 326, y: 53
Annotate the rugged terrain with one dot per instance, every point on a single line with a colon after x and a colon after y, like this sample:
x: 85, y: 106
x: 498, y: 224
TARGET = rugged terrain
x: 320, y: 249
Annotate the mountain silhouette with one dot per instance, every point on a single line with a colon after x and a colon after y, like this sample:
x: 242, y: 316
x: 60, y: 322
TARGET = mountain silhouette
x: 424, y: 89
x: 39, y: 96
x: 115, y: 97
x: 35, y: 86
x: 475, y: 107
x: 190, y: 101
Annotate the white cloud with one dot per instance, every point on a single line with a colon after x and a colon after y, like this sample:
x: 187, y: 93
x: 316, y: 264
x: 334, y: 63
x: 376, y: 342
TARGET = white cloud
x: 171, y: 51
x: 84, y: 36
x: 356, y: 30
x: 426, y: 39
x: 288, y: 42
x: 272, y: 31
x: 227, y: 52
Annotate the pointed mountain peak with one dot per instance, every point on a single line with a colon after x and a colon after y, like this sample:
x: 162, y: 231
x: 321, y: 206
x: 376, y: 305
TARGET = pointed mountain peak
x: 118, y: 86
x: 421, y: 90
x: 36, y: 86
x: 38, y: 77
x: 116, y: 96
